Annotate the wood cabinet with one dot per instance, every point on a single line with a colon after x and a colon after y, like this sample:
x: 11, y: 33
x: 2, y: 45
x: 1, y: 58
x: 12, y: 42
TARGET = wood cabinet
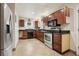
x: 34, y: 34
x: 23, y: 34
x: 61, y: 18
x: 45, y: 20
x: 40, y: 36
x: 21, y: 23
x: 36, y: 24
x: 61, y: 15
x: 57, y: 42
x: 61, y: 42
x: 65, y: 42
x: 66, y: 11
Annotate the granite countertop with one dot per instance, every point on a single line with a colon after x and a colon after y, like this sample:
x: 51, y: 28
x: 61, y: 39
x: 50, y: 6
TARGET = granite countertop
x: 49, y: 31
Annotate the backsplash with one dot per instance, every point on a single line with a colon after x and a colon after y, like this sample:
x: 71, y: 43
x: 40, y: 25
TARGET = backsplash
x: 65, y: 27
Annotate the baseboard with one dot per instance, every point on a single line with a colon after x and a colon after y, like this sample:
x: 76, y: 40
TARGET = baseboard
x: 73, y: 52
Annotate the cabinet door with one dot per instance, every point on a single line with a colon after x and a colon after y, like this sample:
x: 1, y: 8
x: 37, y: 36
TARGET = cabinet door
x: 37, y: 35
x: 25, y: 35
x: 21, y: 23
x: 57, y: 48
x: 57, y: 42
x: 61, y: 18
x: 57, y: 38
x: 65, y: 42
x: 46, y: 21
x: 36, y: 24
x: 41, y: 36
x: 34, y: 34
x: 67, y: 11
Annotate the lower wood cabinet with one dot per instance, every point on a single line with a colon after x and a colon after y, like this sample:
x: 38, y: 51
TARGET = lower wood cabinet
x: 61, y: 42
x: 40, y: 36
x: 23, y: 34
x: 34, y: 34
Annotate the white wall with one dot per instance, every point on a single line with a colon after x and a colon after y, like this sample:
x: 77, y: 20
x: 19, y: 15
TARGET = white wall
x: 74, y: 27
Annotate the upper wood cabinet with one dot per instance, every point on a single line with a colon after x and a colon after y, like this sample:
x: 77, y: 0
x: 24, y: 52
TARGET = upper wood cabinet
x: 61, y: 18
x: 36, y: 24
x: 61, y: 15
x: 21, y: 23
x: 45, y: 20
x: 66, y: 11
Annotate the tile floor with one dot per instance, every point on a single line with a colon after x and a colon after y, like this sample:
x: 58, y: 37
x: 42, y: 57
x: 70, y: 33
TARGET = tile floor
x: 33, y: 47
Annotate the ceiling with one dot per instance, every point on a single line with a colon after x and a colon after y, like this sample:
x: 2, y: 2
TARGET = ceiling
x: 33, y: 10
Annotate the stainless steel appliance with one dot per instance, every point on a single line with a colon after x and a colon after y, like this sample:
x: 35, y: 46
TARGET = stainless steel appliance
x: 52, y: 23
x: 7, y: 28
x: 48, y: 39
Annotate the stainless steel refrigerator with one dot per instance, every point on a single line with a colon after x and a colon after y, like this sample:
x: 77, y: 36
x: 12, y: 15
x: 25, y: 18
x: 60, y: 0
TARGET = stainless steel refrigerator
x: 6, y: 28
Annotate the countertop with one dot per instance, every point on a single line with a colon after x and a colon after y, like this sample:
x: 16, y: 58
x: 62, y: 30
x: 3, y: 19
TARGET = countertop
x: 50, y: 31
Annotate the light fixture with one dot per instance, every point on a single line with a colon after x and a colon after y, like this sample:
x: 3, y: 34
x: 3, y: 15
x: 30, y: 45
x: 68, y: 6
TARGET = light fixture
x: 50, y: 16
x: 33, y: 12
x: 5, y: 5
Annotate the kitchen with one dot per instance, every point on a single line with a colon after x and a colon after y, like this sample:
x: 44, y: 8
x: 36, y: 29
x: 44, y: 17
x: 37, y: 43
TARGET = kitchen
x: 48, y: 30
x: 50, y: 27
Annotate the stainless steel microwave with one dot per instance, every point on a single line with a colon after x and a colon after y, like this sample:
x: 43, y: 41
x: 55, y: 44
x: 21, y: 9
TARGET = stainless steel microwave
x: 52, y: 23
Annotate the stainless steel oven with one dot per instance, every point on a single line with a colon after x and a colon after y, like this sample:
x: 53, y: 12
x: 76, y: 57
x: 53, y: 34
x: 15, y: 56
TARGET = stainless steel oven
x: 48, y: 39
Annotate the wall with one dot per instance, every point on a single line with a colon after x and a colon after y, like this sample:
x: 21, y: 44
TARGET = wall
x: 74, y: 27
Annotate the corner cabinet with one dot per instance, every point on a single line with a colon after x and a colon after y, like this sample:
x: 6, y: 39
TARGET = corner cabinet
x: 61, y: 42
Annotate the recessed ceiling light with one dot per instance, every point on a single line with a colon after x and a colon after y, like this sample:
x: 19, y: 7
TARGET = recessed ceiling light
x: 50, y: 16
x: 33, y: 12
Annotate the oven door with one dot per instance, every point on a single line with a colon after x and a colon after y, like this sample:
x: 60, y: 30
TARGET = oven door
x: 48, y: 39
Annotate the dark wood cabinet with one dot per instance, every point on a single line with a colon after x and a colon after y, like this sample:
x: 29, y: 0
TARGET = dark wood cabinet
x: 34, y: 34
x: 40, y: 36
x: 61, y: 42
x: 45, y: 20
x: 61, y: 18
x: 36, y: 24
x: 23, y: 34
x: 21, y: 23
x: 57, y: 42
